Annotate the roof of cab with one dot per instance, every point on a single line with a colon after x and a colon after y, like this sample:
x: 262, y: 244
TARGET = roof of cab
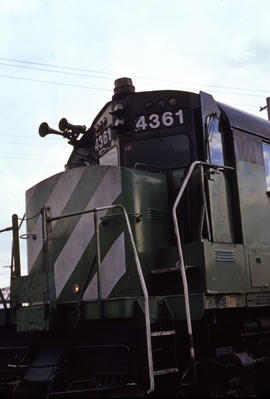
x: 244, y: 121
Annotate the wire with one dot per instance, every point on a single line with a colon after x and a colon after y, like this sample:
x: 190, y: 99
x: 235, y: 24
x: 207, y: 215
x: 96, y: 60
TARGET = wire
x: 55, y: 83
x: 245, y: 105
x: 30, y: 144
x: 25, y: 156
x: 19, y: 136
x: 114, y: 74
x: 30, y: 217
x: 36, y: 137
x: 54, y: 71
x: 56, y: 66
x: 99, y: 88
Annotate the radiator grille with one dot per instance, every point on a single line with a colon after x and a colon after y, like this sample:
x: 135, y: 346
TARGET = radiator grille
x: 155, y: 215
x: 224, y: 255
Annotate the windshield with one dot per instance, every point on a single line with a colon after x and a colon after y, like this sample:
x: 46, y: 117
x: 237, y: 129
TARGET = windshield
x: 165, y: 152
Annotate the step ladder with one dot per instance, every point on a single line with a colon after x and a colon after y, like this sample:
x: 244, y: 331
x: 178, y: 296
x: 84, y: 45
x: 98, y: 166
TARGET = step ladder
x: 164, y: 352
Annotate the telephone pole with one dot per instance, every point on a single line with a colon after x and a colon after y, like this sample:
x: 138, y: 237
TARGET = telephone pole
x: 267, y: 106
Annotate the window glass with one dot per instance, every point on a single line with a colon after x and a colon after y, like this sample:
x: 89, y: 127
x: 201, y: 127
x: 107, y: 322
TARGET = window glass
x: 164, y: 152
x: 110, y: 158
x: 214, y: 138
x: 266, y: 156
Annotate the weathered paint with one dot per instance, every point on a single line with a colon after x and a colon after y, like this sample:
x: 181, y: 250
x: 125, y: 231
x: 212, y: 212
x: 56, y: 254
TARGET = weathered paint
x: 58, y: 198
x: 113, y: 267
x: 108, y: 190
x: 71, y: 245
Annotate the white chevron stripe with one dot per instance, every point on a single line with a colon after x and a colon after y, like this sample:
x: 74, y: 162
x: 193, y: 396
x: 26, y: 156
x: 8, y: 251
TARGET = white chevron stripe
x: 28, y: 196
x: 91, y: 293
x: 57, y: 202
x: 108, y: 190
x: 113, y: 268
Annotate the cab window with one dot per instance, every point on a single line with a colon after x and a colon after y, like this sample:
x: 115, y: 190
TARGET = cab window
x: 215, y: 141
x: 266, y: 156
x: 164, y: 152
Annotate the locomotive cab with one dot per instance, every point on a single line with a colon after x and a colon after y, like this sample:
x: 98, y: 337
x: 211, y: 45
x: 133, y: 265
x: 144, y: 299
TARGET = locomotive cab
x: 164, y: 132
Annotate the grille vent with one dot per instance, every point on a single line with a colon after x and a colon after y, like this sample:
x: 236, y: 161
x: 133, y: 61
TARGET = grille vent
x: 224, y: 255
x: 155, y: 215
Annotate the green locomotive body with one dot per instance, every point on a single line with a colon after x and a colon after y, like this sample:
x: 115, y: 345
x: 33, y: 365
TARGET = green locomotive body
x: 148, y: 257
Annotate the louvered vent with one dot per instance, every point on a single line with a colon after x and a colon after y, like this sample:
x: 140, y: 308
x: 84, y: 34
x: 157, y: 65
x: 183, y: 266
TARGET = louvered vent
x: 155, y: 215
x: 224, y: 255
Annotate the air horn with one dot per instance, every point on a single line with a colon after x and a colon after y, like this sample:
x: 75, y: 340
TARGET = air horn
x: 64, y: 125
x: 68, y: 131
x: 45, y: 129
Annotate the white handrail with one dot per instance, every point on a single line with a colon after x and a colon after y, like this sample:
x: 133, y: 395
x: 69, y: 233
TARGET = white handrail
x: 146, y: 305
x: 182, y: 265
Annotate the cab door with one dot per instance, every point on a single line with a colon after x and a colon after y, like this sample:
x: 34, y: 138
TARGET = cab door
x: 219, y: 180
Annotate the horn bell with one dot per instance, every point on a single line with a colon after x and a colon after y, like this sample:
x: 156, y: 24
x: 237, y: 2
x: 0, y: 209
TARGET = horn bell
x: 45, y: 129
x: 65, y: 125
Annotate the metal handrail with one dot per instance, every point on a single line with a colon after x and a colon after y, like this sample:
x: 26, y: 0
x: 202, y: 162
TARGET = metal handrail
x: 180, y: 253
x: 182, y: 265
x: 15, y: 251
x: 140, y: 274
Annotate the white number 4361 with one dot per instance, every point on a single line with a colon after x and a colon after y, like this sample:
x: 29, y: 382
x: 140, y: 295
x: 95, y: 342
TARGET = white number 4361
x: 154, y: 121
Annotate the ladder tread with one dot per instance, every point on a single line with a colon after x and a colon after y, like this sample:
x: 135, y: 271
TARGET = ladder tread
x: 162, y: 333
x: 166, y: 371
x: 165, y: 270
x: 172, y: 269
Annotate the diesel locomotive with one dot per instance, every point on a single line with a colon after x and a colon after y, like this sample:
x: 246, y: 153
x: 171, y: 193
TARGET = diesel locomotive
x: 148, y: 257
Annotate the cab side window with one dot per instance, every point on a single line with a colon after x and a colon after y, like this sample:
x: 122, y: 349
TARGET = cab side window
x: 266, y: 156
x: 214, y: 140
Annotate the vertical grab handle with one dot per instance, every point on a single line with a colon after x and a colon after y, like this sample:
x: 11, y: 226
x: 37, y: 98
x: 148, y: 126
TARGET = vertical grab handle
x: 16, y: 246
x: 182, y: 266
x: 99, y: 281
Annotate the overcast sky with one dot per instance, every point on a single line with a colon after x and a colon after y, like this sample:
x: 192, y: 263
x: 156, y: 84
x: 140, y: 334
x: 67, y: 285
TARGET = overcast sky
x: 60, y: 58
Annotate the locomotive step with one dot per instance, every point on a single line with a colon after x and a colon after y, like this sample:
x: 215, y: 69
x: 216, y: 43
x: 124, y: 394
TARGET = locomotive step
x: 166, y: 371
x: 162, y: 333
x: 172, y: 269
x: 165, y: 270
x: 119, y: 392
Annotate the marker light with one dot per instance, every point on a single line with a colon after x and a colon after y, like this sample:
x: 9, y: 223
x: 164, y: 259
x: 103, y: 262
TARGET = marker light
x: 118, y: 107
x: 161, y: 103
x: 75, y: 288
x: 172, y: 101
x: 119, y: 122
x: 148, y: 105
